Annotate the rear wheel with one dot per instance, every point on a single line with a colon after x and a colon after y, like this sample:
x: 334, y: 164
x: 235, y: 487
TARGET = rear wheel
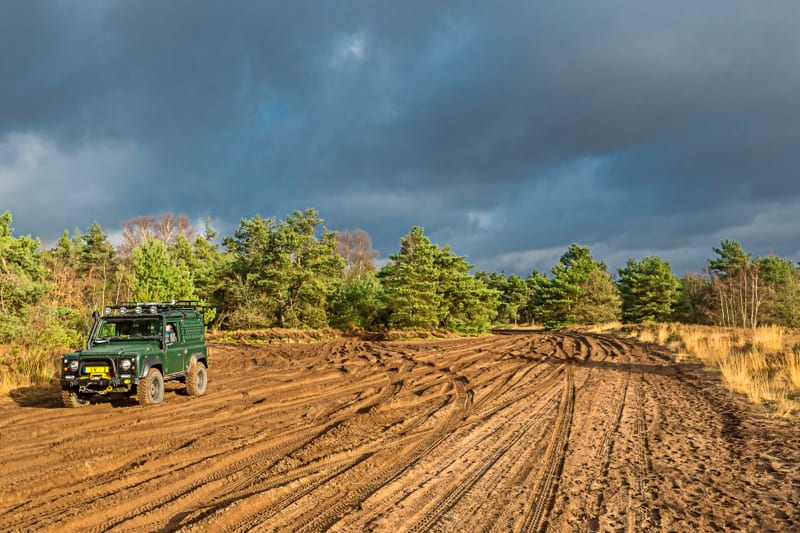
x: 196, y: 379
x: 71, y: 398
x: 151, y: 388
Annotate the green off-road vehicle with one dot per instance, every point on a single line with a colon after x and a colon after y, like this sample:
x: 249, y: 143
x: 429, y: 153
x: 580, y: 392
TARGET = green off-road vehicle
x: 133, y: 348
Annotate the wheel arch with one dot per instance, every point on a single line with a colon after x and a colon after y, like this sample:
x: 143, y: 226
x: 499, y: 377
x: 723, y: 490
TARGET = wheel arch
x: 199, y: 357
x: 149, y: 363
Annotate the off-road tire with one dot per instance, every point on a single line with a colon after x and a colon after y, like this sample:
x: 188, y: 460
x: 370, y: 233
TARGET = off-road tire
x: 150, y: 390
x: 72, y: 399
x: 196, y: 379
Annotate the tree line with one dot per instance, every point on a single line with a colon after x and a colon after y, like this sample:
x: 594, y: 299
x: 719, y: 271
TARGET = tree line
x: 296, y: 273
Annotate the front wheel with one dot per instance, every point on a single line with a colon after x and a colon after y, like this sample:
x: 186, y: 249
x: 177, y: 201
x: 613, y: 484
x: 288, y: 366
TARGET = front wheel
x: 151, y: 388
x: 71, y: 398
x: 196, y: 379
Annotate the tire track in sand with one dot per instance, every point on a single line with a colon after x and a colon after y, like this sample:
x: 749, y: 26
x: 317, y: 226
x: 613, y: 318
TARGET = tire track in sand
x: 535, y: 515
x: 359, y: 435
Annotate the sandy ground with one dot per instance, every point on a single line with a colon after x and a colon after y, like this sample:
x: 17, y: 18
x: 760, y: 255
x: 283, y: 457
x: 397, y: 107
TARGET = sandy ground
x: 514, y: 432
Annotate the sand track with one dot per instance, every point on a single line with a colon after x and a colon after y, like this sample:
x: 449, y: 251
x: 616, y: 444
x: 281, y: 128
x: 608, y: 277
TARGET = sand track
x: 510, y: 432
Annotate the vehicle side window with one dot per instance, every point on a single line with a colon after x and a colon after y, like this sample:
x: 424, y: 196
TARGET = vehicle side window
x: 172, y: 332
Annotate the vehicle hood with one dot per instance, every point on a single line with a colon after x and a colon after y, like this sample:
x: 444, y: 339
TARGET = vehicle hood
x: 117, y: 348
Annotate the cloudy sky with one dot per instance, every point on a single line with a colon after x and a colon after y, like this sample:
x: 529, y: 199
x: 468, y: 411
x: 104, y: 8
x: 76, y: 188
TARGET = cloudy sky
x: 507, y: 129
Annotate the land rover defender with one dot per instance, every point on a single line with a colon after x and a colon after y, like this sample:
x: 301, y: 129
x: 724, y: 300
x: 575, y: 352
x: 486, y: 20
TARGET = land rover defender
x: 133, y: 349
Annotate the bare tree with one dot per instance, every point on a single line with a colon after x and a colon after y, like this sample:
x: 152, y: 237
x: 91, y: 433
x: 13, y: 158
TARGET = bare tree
x: 738, y: 286
x: 167, y: 228
x: 356, y: 249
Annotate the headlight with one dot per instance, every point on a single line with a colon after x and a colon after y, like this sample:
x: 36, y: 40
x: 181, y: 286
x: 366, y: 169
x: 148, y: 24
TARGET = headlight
x: 125, y: 365
x: 74, y: 365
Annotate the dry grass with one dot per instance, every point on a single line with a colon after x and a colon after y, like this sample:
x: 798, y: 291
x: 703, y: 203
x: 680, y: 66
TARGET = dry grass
x: 600, y: 328
x: 793, y: 367
x: 273, y: 335
x: 752, y: 373
x: 657, y: 333
x: 22, y: 368
x: 768, y: 338
x: 710, y: 345
x: 757, y: 363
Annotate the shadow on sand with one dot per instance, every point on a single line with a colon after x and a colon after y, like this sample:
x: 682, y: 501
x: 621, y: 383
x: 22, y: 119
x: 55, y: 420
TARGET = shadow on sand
x: 49, y: 397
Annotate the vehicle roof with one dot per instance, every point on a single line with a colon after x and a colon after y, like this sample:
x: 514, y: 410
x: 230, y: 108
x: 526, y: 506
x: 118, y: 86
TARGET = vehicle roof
x: 173, y: 309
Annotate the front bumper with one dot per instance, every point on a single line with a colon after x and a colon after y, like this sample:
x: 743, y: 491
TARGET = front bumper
x: 99, y: 377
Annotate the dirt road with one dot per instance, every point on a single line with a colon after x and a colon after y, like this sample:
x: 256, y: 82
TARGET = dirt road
x: 515, y: 432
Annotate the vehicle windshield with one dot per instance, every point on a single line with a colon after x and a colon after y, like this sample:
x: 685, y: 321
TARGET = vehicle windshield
x: 112, y: 329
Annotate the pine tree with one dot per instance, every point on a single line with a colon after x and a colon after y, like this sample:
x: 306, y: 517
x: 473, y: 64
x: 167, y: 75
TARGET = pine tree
x: 649, y: 290
x: 514, y: 296
x: 410, y: 282
x: 358, y: 302
x: 430, y: 287
x: 695, y: 304
x: 282, y: 272
x: 210, y: 268
x: 538, y: 307
x: 782, y: 286
x: 27, y: 320
x: 63, y: 273
x: 96, y: 259
x: 22, y: 278
x: 159, y: 275
x: 580, y: 291
x: 468, y: 305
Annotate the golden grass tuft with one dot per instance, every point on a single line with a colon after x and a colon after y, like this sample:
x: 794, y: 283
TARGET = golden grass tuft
x: 751, y: 373
x: 785, y: 408
x: 600, y: 328
x: 753, y: 362
x: 793, y: 368
x: 658, y: 333
x: 768, y: 338
x: 25, y: 366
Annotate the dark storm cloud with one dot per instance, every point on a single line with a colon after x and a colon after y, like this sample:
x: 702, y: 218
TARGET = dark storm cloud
x: 508, y: 130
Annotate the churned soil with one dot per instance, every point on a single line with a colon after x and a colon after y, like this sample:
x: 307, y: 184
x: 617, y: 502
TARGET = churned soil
x: 527, y: 431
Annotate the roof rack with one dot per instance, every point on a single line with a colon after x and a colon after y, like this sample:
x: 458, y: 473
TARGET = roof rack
x: 151, y: 308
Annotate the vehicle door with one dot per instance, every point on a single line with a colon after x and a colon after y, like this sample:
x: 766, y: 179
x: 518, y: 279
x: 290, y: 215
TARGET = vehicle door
x: 175, y: 351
